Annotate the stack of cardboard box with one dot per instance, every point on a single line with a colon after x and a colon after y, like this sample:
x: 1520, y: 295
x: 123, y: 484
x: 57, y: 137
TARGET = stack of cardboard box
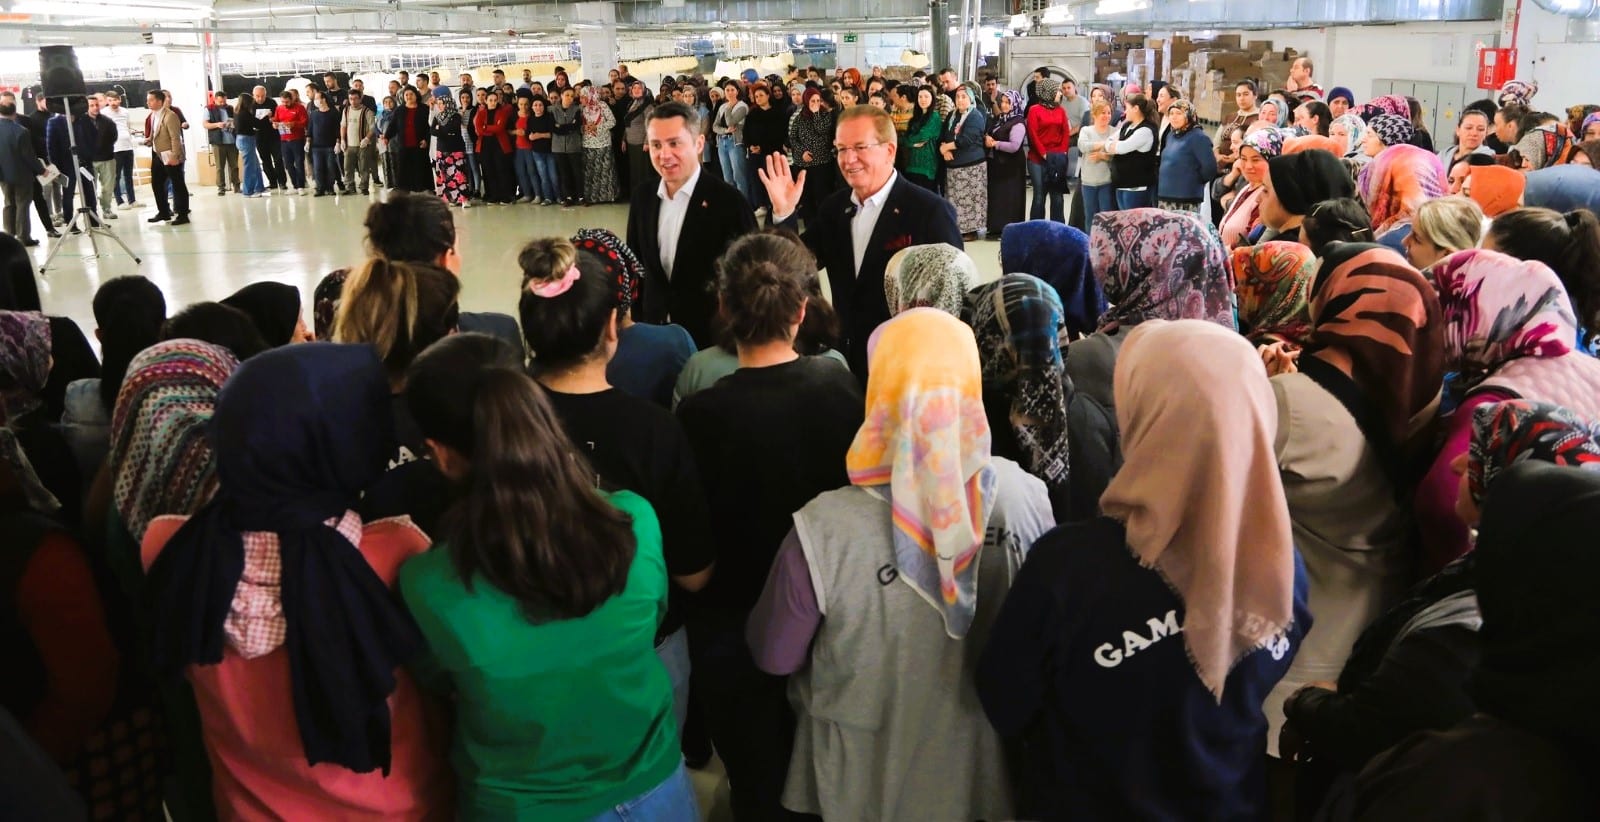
x: 1111, y: 54
x: 1203, y: 71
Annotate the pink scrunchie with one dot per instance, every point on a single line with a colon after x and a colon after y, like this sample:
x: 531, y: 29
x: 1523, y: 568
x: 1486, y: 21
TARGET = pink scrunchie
x: 555, y: 288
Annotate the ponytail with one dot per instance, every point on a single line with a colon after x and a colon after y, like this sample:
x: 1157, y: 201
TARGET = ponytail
x: 528, y: 519
x: 398, y: 308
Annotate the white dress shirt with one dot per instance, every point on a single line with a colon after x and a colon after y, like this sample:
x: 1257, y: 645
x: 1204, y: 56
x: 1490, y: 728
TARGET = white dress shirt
x: 669, y: 224
x: 866, y: 219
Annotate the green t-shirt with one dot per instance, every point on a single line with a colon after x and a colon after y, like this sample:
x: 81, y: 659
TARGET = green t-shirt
x: 555, y: 721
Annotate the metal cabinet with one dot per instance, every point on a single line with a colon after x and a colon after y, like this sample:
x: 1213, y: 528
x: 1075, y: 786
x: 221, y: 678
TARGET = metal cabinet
x: 1441, y: 104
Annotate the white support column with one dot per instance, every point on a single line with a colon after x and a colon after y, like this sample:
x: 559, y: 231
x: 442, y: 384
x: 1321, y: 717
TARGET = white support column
x: 597, y: 38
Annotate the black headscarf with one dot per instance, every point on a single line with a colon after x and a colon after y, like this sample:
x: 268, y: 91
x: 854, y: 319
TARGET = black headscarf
x: 273, y: 307
x: 299, y: 432
x: 1536, y: 564
x: 1303, y: 179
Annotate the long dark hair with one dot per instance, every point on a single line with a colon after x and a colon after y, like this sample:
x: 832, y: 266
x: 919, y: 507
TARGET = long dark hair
x: 565, y: 330
x: 529, y: 520
x: 410, y: 227
x: 130, y: 311
x: 1568, y: 243
x: 763, y: 282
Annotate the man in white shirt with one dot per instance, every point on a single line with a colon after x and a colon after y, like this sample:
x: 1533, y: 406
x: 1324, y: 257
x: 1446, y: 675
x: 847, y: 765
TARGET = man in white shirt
x: 855, y: 232
x: 681, y: 225
x: 123, y: 152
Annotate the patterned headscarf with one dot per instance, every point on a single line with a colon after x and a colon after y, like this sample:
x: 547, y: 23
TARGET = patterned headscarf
x: 1018, y: 324
x: 1521, y: 92
x: 1398, y: 180
x: 621, y: 263
x: 1280, y: 109
x: 1200, y: 492
x: 1268, y: 141
x: 1498, y: 308
x: 1594, y: 117
x: 937, y: 275
x: 161, y: 461
x: 1058, y: 254
x: 24, y: 361
x: 926, y: 440
x: 1000, y: 124
x: 1392, y: 129
x: 1395, y: 104
x: 1356, y: 128
x: 1189, y: 119
x: 1273, y: 283
x: 593, y: 110
x: 1370, y: 305
x: 25, y: 366
x: 1509, y: 432
x: 1155, y: 264
x: 1047, y: 88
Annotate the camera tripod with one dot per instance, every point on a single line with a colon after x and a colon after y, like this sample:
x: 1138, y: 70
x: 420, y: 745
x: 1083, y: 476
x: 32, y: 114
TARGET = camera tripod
x: 85, y: 221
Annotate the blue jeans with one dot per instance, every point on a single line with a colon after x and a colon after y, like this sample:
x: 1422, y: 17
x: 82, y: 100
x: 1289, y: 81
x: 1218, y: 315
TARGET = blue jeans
x: 544, y: 164
x: 527, y: 172
x: 294, y: 161
x: 1058, y: 211
x: 251, y: 184
x: 322, y: 165
x: 674, y: 653
x: 124, y: 186
x: 1097, y: 199
x: 758, y: 193
x: 671, y: 801
x: 732, y: 158
x: 1127, y: 199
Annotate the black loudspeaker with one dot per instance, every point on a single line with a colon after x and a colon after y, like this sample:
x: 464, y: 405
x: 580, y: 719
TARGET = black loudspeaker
x: 59, y: 73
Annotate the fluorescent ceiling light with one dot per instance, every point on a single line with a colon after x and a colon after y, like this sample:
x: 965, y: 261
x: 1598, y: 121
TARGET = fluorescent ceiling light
x: 124, y: 11
x: 1109, y: 7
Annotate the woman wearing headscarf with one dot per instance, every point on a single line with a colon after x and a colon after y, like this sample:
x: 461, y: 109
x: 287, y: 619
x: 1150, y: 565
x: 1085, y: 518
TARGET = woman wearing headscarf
x: 1243, y: 216
x: 1296, y: 183
x: 1049, y: 134
x: 1274, y: 112
x: 1059, y: 255
x: 1187, y: 163
x: 1496, y: 189
x: 1210, y: 606
x: 1520, y: 92
x: 451, y: 181
x: 1006, y: 140
x: 1035, y: 418
x: 1395, y: 104
x: 1151, y: 265
x: 649, y: 357
x: 891, y: 668
x: 966, y: 175
x: 1526, y: 746
x: 928, y: 276
x: 1340, y: 101
x: 1273, y: 284
x: 1353, y: 409
x: 275, y: 600
x: 599, y: 166
x: 274, y: 309
x: 810, y: 146
x: 1569, y: 244
x: 1409, y: 671
x: 1510, y: 332
x: 1385, y: 131
x: 27, y: 371
x: 1352, y: 131
x: 1397, y: 181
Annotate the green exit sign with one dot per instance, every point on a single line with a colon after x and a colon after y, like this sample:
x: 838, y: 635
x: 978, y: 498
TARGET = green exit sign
x: 850, y: 38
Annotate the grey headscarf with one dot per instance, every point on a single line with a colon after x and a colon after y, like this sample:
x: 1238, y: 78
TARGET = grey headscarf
x: 929, y: 276
x: 1047, y: 89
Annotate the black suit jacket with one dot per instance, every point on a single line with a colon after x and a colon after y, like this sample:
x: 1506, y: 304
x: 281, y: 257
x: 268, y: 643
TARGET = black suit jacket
x: 911, y: 216
x: 718, y: 215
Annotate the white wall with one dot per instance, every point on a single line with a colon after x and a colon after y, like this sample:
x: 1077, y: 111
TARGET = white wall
x: 1565, y: 71
x: 1355, y: 56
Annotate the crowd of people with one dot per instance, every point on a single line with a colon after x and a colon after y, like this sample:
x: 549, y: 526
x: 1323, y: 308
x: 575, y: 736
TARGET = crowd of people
x: 910, y: 550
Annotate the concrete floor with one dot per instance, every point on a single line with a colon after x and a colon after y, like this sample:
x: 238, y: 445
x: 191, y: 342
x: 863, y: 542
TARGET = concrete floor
x: 233, y: 242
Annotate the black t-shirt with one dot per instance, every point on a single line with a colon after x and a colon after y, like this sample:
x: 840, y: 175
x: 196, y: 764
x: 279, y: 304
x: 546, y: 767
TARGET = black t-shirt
x: 637, y: 446
x: 413, y: 485
x: 766, y: 441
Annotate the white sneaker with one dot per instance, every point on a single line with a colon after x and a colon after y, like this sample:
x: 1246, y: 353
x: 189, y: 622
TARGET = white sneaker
x: 110, y: 215
x: 300, y: 192
x: 466, y: 204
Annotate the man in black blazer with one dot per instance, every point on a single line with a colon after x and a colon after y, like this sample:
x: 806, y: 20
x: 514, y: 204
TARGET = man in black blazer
x: 856, y: 231
x: 682, y: 225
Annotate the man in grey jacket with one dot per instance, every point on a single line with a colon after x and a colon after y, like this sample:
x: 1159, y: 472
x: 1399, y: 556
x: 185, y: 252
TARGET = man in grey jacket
x: 19, y: 167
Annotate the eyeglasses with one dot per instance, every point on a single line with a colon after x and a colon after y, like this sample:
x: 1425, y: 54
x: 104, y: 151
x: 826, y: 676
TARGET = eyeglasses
x: 845, y: 151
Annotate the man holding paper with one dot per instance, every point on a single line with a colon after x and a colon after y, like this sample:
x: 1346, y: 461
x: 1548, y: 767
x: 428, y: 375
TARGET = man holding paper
x: 166, y: 159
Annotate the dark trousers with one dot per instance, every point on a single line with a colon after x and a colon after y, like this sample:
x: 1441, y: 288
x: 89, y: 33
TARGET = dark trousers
x: 748, y: 714
x: 497, y: 175
x: 124, y: 186
x: 41, y: 205
x: 69, y: 195
x: 569, y: 170
x: 322, y: 166
x: 271, y: 159
x: 293, y: 153
x: 160, y: 176
x: 227, y: 157
x: 16, y: 221
x: 640, y: 172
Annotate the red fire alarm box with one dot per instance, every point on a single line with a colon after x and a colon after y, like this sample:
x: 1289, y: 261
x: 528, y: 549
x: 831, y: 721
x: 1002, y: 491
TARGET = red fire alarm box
x: 1496, y: 67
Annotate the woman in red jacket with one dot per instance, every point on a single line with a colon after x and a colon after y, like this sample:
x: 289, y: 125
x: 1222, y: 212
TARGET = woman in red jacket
x: 492, y: 123
x: 1049, y: 133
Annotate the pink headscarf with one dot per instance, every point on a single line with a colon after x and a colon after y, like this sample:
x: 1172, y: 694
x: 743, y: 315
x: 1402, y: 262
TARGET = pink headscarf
x: 1197, y: 414
x: 1397, y: 181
